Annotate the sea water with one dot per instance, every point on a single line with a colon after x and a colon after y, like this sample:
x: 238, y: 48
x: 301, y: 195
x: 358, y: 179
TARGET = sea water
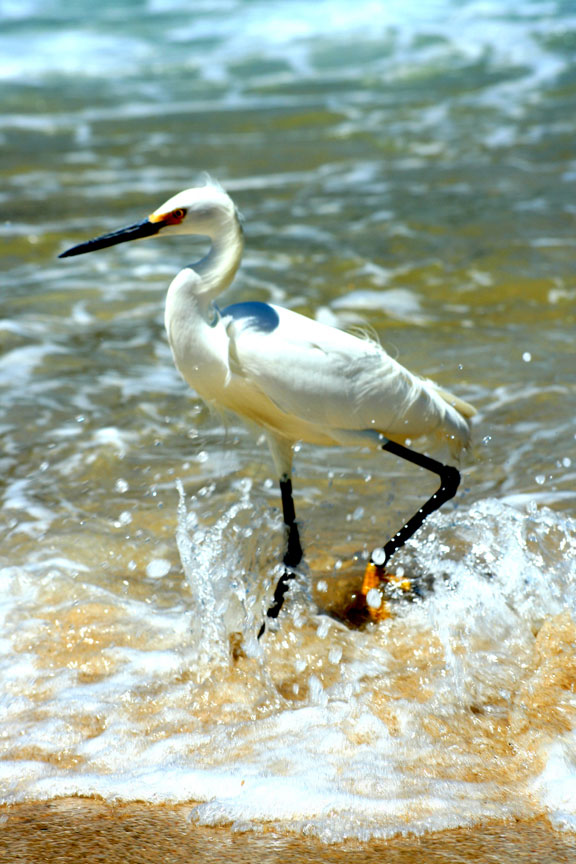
x: 408, y: 172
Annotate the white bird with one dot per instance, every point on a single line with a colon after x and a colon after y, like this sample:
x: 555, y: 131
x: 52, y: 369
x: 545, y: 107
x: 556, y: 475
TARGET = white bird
x: 298, y: 379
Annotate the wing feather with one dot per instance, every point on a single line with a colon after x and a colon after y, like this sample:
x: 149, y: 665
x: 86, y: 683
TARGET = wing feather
x: 325, y: 377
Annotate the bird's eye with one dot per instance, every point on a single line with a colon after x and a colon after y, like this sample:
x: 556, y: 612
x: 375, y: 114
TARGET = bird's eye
x: 178, y: 214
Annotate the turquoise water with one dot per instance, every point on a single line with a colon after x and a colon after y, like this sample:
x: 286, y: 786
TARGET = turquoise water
x: 404, y: 168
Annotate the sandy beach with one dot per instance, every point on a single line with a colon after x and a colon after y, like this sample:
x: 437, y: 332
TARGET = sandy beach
x: 74, y: 830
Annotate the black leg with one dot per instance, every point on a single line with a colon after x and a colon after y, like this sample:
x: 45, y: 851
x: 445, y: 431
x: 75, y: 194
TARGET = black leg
x: 449, y: 482
x: 293, y: 554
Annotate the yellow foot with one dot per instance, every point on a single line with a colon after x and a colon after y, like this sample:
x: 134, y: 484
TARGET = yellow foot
x: 375, y: 580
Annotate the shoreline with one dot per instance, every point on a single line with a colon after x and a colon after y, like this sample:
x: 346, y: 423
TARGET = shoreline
x: 82, y: 830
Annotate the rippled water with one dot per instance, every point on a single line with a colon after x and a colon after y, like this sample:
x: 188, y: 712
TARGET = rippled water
x: 408, y: 171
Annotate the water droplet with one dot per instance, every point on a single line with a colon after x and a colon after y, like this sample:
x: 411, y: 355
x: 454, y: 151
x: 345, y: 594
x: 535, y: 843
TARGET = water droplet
x: 526, y: 356
x: 124, y: 519
x: 378, y: 556
x: 158, y: 568
x: 315, y: 689
x: 335, y: 654
x: 486, y: 440
x: 244, y: 485
x: 566, y: 462
x: 121, y: 485
x: 540, y: 479
x: 374, y: 598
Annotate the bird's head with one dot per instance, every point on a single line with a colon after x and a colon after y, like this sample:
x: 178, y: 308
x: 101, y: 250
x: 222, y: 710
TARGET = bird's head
x: 202, y: 210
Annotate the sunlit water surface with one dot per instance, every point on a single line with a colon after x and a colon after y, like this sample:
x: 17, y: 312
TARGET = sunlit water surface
x: 410, y: 172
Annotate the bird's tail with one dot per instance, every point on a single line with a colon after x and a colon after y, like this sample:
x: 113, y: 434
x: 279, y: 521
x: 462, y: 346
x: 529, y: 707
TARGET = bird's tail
x: 456, y: 428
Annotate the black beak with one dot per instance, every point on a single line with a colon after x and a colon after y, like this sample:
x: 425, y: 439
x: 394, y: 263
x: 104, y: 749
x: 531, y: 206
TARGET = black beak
x: 146, y: 228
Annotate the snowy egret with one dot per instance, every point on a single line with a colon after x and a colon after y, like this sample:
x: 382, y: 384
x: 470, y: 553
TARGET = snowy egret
x: 298, y: 379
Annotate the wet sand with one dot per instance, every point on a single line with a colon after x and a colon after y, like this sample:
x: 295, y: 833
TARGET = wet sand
x: 74, y: 830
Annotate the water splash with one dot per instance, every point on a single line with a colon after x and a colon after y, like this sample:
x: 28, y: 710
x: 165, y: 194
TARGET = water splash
x: 231, y: 570
x: 458, y: 709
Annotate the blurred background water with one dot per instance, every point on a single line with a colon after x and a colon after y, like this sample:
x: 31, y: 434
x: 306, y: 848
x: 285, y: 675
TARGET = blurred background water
x: 403, y: 167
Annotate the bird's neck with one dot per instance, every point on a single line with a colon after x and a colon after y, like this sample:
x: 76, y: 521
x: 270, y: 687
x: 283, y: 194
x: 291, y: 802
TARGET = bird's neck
x: 218, y: 268
x: 199, y: 346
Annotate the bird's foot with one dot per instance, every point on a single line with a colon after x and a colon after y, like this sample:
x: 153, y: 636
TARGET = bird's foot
x: 377, y: 583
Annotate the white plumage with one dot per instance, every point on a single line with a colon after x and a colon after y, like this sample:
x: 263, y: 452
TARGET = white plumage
x: 299, y: 379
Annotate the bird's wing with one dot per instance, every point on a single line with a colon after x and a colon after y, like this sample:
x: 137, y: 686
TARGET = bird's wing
x: 313, y: 372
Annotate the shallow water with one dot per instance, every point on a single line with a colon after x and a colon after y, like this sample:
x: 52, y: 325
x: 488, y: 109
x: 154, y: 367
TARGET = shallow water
x: 410, y: 174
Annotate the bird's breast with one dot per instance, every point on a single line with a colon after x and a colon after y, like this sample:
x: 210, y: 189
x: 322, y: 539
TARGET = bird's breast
x: 199, y: 344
